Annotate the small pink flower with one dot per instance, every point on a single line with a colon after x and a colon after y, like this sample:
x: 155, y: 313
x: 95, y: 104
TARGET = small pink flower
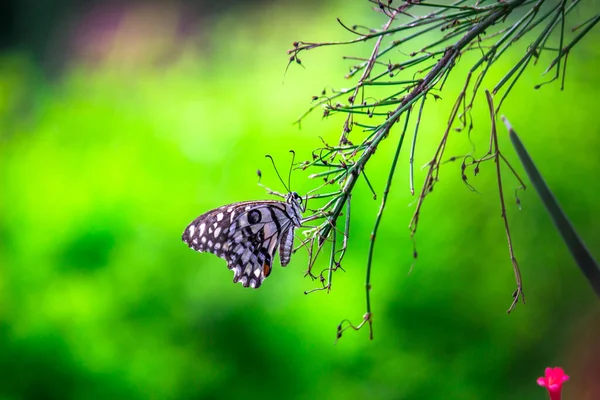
x: 553, y: 381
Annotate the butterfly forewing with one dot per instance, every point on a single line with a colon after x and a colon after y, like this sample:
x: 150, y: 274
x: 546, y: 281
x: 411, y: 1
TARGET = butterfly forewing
x: 247, y: 236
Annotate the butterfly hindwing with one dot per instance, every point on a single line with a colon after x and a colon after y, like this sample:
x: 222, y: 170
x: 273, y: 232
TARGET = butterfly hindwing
x: 246, y: 235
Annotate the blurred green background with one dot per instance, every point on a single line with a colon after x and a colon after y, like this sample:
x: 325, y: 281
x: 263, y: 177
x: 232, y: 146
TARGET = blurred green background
x: 120, y: 123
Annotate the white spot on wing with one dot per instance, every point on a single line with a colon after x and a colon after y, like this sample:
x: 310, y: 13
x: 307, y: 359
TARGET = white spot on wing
x: 210, y: 243
x: 253, y: 284
x: 201, y: 228
x: 217, y: 231
x: 245, y: 258
x: 219, y: 216
x: 256, y: 273
x: 203, y: 239
x: 191, y: 230
x: 217, y: 246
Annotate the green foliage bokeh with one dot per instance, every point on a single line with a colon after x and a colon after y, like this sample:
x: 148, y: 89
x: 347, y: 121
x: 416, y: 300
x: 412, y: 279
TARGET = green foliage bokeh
x: 102, y: 167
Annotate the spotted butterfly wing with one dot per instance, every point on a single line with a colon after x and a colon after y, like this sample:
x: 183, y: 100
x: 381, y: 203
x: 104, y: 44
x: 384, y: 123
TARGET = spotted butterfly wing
x: 247, y: 235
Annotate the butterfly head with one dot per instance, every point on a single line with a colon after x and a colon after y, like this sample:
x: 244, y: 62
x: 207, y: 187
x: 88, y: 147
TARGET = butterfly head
x: 295, y: 200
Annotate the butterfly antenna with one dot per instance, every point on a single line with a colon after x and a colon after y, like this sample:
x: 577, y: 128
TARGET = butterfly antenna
x: 265, y: 187
x: 277, y: 172
x: 291, y: 167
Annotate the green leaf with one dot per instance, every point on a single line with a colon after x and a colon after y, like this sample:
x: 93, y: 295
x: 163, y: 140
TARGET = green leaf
x: 580, y: 253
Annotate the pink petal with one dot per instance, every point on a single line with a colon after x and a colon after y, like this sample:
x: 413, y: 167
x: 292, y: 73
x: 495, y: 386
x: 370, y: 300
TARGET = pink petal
x: 555, y: 387
x: 542, y: 381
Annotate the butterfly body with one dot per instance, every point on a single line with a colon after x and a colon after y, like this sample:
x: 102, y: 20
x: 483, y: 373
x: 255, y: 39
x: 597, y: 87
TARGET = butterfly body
x: 247, y: 235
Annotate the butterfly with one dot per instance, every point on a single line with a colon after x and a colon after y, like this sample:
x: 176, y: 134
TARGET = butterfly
x: 248, y: 234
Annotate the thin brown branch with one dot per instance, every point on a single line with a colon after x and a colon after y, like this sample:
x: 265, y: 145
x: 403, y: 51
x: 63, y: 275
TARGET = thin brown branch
x: 519, y: 291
